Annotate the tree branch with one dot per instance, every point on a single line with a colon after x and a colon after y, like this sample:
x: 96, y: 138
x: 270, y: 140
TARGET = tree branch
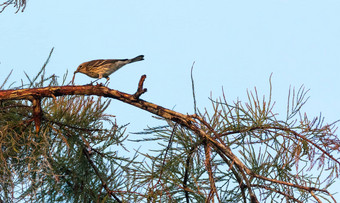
x: 140, y: 89
x: 99, y: 176
x: 191, y: 122
x: 208, y: 166
x: 37, y: 113
x: 184, y: 120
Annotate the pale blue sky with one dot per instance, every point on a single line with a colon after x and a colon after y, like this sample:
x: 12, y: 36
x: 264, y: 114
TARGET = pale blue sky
x: 235, y: 44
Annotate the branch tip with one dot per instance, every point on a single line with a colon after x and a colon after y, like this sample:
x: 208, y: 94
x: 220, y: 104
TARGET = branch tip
x: 140, y: 89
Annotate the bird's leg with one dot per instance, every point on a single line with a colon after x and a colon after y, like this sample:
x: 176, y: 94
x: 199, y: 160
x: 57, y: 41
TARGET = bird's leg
x: 91, y: 83
x: 107, y: 81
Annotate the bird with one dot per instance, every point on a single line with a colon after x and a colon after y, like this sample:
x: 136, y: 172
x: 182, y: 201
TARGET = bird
x: 102, y: 68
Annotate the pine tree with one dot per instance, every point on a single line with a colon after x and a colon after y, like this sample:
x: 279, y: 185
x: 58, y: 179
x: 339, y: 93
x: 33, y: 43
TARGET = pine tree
x: 59, y: 144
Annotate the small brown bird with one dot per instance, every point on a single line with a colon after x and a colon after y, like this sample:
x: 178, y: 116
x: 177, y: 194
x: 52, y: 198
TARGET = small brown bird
x: 104, y: 67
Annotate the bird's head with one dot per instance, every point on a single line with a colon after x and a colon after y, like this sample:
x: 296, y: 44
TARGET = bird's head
x: 80, y: 69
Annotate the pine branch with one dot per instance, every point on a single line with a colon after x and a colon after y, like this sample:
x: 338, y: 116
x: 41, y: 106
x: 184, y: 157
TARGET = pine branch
x: 194, y: 123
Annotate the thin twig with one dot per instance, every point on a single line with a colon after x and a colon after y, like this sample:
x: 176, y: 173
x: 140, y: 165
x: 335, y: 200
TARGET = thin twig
x: 193, y: 87
x: 187, y: 169
x: 210, y: 173
x: 99, y: 176
x: 166, y: 152
x: 6, y: 79
x: 315, y: 197
x: 18, y: 3
x: 277, y: 191
x: 140, y: 89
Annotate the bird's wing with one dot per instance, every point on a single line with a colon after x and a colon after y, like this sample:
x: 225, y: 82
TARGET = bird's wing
x: 101, y: 62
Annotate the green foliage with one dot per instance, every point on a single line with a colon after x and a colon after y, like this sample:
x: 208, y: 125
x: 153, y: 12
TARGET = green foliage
x: 76, y: 154
x: 285, y: 151
x: 52, y: 165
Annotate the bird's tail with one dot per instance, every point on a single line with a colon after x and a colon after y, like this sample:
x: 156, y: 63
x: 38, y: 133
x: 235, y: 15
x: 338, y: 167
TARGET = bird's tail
x: 138, y: 58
